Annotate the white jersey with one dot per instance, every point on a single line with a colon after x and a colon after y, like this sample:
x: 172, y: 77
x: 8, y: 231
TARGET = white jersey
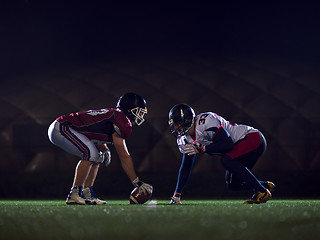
x: 206, y: 126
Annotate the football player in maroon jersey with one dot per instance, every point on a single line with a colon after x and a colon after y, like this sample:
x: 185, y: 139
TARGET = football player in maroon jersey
x: 240, y: 147
x: 87, y: 133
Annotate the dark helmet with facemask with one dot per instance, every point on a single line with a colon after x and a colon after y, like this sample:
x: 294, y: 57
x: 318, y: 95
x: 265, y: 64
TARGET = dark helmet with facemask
x: 181, y: 118
x: 133, y: 106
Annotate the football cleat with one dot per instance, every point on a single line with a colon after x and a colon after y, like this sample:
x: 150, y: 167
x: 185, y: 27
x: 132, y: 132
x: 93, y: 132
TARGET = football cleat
x: 89, y: 194
x: 270, y: 186
x: 175, y: 200
x: 259, y: 197
x: 76, y: 197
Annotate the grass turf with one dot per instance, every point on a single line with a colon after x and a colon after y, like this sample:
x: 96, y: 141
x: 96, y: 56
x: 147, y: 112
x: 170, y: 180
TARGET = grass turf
x: 210, y: 219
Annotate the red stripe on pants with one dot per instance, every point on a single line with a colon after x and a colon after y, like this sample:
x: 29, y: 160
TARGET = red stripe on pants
x: 75, y: 141
x: 248, y: 144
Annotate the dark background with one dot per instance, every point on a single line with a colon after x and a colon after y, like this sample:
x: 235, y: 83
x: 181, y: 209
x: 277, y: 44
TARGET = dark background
x: 253, y: 63
x: 50, y: 33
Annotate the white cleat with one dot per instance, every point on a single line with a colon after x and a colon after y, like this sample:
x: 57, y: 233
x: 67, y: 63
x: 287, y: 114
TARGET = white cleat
x: 76, y: 197
x: 89, y: 194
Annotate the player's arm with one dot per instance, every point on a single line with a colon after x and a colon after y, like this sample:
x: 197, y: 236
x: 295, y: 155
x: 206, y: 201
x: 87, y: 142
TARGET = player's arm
x: 183, y: 176
x: 221, y: 144
x: 127, y: 163
x: 125, y: 158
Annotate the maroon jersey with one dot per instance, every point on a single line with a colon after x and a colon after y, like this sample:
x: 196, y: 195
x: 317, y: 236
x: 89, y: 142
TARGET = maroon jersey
x: 99, y: 125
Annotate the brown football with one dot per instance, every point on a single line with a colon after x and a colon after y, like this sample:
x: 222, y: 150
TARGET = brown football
x: 140, y: 198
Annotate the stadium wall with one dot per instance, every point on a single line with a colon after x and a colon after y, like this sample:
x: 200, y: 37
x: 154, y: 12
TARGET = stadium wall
x: 278, y: 96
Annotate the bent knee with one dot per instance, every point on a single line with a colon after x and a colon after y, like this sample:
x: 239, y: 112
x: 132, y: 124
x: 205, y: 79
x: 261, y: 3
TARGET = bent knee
x: 95, y: 157
x: 232, y: 182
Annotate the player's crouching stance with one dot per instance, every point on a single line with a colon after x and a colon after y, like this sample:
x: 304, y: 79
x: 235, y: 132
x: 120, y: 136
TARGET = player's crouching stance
x: 86, y: 134
x: 239, y: 145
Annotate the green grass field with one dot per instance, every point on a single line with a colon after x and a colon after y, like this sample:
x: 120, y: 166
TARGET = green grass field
x: 209, y: 219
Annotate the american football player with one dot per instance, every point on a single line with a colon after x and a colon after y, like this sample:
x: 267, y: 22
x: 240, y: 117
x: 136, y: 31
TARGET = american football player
x: 240, y: 146
x: 87, y: 134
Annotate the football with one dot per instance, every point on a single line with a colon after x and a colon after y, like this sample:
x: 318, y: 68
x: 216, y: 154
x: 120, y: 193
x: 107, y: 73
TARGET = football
x: 140, y: 198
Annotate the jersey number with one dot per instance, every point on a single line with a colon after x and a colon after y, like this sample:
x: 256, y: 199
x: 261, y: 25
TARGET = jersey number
x: 97, y: 112
x: 202, y: 119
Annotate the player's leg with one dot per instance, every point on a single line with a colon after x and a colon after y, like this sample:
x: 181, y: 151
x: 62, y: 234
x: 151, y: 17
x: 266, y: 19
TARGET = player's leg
x: 87, y: 170
x: 76, y: 195
x: 238, y: 163
x: 242, y: 173
x: 91, y: 177
x: 248, y: 159
x: 251, y: 159
x: 235, y: 183
x: 79, y: 145
x: 82, y: 171
x: 246, y: 180
x: 89, y: 182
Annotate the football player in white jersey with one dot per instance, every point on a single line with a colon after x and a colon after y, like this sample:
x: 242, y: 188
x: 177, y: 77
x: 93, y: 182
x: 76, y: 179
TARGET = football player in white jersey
x: 239, y: 145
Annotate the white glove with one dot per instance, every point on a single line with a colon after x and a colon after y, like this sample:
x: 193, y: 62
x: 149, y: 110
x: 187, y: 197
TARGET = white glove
x: 143, y: 187
x: 175, y: 200
x: 195, y: 148
x: 106, y: 155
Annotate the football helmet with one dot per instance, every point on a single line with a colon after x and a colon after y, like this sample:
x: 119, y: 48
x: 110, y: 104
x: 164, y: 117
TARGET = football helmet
x: 133, y: 106
x: 181, y: 118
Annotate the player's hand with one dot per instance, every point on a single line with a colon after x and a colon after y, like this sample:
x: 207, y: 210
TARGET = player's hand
x: 143, y: 187
x: 175, y: 199
x: 194, y: 148
x: 104, y: 152
x: 107, y: 156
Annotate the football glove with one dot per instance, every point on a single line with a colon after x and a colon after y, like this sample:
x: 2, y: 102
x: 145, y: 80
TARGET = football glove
x: 175, y: 199
x: 194, y: 148
x: 143, y: 187
x: 105, y: 156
